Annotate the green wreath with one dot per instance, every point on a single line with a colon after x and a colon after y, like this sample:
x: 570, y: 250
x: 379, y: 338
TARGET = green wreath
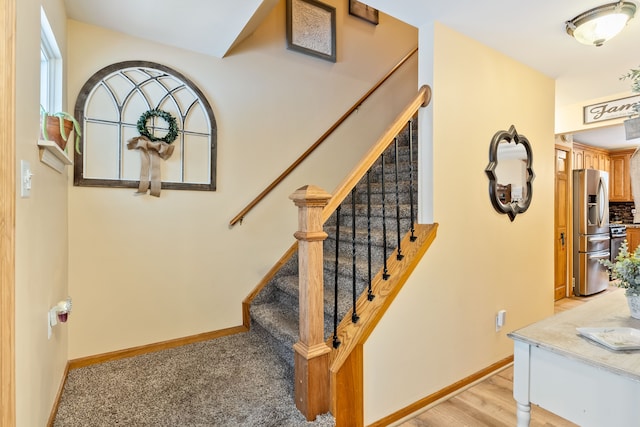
x: 171, y: 121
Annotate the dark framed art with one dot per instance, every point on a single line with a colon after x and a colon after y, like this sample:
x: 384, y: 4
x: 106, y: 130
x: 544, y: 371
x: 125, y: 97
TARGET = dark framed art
x: 363, y: 11
x: 311, y: 28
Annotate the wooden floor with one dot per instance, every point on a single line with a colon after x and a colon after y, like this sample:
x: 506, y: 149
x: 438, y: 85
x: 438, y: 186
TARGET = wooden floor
x: 490, y: 403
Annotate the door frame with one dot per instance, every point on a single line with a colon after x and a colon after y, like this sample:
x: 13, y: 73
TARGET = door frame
x: 7, y: 213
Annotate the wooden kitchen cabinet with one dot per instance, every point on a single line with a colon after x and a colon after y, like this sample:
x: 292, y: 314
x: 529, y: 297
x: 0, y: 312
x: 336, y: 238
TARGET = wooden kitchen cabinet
x: 604, y: 162
x: 619, y: 176
x: 590, y: 160
x: 586, y: 157
x: 633, y: 238
x: 578, y: 158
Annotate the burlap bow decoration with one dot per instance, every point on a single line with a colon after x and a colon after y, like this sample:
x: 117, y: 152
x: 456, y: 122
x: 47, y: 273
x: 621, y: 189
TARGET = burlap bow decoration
x: 150, y: 155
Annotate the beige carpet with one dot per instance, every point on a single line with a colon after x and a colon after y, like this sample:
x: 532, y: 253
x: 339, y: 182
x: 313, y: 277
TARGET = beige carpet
x: 231, y: 381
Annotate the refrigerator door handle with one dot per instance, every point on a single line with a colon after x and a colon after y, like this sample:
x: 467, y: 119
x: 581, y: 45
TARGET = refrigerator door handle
x: 602, y: 203
x: 602, y: 255
x: 598, y: 239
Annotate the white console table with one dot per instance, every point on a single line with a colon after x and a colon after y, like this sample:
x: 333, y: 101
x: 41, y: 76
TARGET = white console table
x: 573, y: 377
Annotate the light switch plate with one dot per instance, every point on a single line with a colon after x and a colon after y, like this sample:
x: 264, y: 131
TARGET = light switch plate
x: 500, y: 319
x: 25, y: 178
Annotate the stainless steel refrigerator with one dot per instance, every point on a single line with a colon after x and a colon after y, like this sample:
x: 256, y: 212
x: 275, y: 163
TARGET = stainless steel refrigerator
x: 591, y: 241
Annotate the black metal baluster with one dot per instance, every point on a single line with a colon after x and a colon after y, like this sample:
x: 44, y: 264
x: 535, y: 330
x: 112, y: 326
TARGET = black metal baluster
x: 370, y: 295
x: 336, y: 342
x: 385, y: 271
x: 354, y: 314
x: 399, y: 256
x: 413, y: 237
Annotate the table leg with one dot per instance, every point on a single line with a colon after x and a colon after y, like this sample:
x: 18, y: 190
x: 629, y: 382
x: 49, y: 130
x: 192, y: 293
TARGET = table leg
x: 521, y: 382
x: 524, y: 414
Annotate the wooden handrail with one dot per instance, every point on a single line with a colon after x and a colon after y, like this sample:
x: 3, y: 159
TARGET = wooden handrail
x: 422, y: 99
x: 320, y: 140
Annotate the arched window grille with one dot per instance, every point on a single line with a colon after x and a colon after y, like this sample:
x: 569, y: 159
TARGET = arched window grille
x: 108, y: 108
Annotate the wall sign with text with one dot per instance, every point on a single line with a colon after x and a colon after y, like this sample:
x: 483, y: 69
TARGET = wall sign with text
x: 610, y: 110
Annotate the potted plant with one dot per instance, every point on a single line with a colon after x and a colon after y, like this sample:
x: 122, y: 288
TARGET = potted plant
x: 626, y: 271
x: 57, y: 127
x: 632, y: 124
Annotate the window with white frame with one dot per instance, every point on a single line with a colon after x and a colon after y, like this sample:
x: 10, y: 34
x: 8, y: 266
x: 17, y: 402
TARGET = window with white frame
x: 50, y: 68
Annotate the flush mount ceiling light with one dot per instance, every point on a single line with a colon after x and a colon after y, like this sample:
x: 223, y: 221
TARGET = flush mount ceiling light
x: 596, y: 26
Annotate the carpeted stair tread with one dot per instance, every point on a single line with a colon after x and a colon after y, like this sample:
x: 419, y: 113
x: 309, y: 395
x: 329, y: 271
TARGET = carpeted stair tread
x: 375, y: 198
x: 362, y: 237
x: 283, y: 318
x: 389, y: 187
x: 376, y: 222
x: 345, y: 269
x: 361, y: 209
x: 288, y: 286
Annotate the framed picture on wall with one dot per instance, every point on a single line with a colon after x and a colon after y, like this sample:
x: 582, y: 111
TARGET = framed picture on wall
x: 311, y: 28
x: 363, y: 11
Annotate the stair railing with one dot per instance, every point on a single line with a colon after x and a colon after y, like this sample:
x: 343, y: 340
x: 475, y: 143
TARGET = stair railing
x: 397, y: 233
x: 312, y: 389
x: 422, y: 99
x: 240, y: 216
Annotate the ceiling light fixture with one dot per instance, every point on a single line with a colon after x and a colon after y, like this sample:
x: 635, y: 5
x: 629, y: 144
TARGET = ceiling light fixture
x: 596, y: 26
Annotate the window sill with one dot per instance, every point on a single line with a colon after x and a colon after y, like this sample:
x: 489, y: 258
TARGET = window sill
x: 53, y: 156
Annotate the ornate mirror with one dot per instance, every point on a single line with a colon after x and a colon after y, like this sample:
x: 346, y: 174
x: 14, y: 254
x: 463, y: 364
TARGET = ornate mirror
x: 510, y: 172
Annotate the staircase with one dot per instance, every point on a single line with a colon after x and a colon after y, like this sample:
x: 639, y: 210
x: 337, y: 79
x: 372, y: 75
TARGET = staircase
x: 274, y: 310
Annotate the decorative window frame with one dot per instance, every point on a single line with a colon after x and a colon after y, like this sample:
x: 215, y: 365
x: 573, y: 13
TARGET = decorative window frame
x: 157, y: 71
x: 50, y: 67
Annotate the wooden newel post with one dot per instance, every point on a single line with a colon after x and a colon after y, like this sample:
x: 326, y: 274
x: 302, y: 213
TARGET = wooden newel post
x: 311, y: 352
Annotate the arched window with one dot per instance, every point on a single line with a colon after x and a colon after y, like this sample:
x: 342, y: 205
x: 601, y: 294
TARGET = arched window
x: 108, y: 108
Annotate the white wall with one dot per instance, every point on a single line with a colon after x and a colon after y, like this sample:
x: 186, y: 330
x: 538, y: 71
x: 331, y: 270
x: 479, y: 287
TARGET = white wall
x: 440, y: 328
x: 143, y: 269
x: 41, y: 230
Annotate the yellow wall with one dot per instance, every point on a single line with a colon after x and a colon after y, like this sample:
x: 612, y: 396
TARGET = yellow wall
x: 143, y: 269
x: 441, y: 327
x: 41, y: 230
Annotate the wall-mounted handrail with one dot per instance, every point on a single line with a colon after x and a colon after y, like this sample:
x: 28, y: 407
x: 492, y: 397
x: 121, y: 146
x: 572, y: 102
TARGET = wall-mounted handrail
x: 296, y: 163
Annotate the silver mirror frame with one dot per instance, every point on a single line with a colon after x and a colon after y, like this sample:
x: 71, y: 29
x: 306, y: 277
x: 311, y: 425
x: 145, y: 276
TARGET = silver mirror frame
x: 511, y: 208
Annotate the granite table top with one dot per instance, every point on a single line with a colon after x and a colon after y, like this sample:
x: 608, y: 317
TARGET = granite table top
x: 558, y: 334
